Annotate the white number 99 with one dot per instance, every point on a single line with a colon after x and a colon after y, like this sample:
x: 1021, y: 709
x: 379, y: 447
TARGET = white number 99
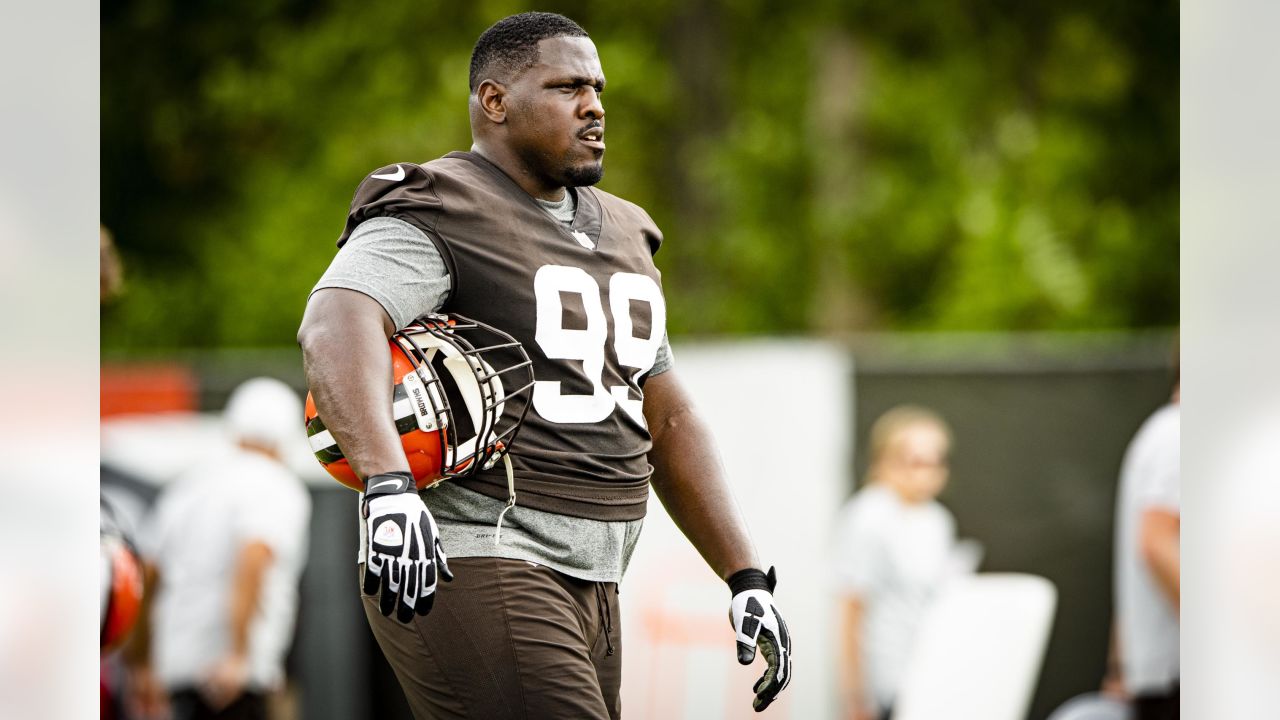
x: 588, y: 345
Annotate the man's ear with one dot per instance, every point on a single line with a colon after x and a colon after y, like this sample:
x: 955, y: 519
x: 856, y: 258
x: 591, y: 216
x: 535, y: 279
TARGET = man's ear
x: 492, y: 99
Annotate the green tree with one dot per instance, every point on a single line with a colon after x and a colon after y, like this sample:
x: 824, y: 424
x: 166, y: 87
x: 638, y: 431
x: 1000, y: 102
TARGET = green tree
x: 816, y: 168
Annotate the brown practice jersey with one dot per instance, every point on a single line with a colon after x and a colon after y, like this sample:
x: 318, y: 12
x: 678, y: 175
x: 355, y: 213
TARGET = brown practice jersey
x: 584, y: 300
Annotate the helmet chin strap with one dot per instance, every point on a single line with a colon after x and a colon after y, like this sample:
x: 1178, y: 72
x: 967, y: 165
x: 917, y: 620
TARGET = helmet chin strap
x: 511, y: 499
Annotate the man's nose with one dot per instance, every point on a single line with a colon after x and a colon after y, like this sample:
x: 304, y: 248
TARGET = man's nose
x: 592, y: 107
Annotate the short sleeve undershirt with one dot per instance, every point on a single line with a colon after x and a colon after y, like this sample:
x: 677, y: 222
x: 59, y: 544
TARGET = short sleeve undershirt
x: 394, y: 263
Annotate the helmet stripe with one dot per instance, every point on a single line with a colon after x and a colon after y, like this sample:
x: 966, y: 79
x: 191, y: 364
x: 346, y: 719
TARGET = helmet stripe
x: 326, y: 448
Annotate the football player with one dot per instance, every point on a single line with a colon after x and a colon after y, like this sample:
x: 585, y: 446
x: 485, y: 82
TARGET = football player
x: 513, y: 234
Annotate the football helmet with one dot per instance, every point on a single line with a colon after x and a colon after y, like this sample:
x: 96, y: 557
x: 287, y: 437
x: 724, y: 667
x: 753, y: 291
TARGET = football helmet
x: 462, y: 389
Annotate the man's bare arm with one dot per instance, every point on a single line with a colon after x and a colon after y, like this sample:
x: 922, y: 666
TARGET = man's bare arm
x: 689, y: 478
x: 344, y: 353
x: 852, y: 676
x: 146, y: 696
x: 137, y: 649
x: 348, y: 365
x: 229, y: 676
x: 1113, y: 680
x: 246, y: 591
x: 1158, y: 538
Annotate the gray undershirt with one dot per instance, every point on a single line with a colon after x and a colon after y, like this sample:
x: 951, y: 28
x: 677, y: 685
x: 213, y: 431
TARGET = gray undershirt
x: 396, y: 264
x: 562, y: 209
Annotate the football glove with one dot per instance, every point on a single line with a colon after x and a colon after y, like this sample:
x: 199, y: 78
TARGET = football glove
x: 403, y: 555
x: 757, y: 623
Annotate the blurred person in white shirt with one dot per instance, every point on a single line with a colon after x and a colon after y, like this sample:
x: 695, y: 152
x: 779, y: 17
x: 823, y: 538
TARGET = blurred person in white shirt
x: 1147, y: 572
x: 894, y: 549
x: 225, y: 549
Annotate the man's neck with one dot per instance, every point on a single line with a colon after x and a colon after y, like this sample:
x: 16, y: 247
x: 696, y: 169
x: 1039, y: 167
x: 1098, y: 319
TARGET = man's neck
x: 901, y: 493
x: 510, y: 164
x: 259, y: 448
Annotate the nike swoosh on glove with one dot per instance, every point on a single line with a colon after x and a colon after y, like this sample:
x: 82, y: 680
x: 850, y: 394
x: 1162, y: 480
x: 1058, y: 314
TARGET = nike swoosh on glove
x: 403, y: 555
x: 757, y: 623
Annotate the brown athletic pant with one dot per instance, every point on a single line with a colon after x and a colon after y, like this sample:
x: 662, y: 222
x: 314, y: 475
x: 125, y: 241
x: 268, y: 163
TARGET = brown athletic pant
x: 508, y: 639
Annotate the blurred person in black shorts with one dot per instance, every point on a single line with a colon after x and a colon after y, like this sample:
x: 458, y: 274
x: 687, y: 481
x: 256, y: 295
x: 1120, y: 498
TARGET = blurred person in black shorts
x: 225, y: 548
x: 1147, y: 567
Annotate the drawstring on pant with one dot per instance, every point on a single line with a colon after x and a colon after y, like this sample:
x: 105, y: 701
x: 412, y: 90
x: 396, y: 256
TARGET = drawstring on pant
x: 511, y: 499
x: 603, y: 603
x: 606, y: 615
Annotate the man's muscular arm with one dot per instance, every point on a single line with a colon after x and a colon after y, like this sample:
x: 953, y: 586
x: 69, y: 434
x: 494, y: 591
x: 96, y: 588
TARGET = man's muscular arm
x: 690, y: 480
x: 228, y: 678
x: 1158, y: 537
x: 344, y: 353
x: 344, y: 350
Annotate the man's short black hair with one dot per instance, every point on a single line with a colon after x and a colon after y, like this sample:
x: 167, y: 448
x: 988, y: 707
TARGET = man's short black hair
x: 511, y: 44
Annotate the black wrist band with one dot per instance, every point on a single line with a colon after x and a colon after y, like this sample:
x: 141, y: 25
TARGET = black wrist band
x: 752, y: 579
x: 392, y: 483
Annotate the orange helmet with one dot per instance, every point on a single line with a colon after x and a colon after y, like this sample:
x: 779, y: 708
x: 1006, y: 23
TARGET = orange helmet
x: 462, y: 389
x: 120, y: 582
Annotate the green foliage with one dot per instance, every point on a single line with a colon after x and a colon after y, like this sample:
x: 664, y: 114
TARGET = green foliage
x: 817, y: 168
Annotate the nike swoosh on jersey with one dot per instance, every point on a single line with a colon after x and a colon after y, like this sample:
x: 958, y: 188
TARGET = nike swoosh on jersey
x: 396, y: 176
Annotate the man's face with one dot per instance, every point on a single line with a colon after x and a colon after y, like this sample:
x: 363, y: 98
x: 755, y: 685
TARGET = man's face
x: 917, y: 465
x: 554, y: 115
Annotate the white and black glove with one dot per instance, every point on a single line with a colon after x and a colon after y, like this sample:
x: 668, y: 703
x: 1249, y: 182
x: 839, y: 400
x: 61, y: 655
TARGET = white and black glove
x: 757, y: 623
x: 403, y: 556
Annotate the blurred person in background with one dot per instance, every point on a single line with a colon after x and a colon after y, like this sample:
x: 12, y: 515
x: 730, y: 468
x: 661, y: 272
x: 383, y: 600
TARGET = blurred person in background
x: 1147, y: 580
x: 120, y: 570
x: 894, y: 549
x: 110, y: 269
x: 513, y: 234
x: 224, y: 550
